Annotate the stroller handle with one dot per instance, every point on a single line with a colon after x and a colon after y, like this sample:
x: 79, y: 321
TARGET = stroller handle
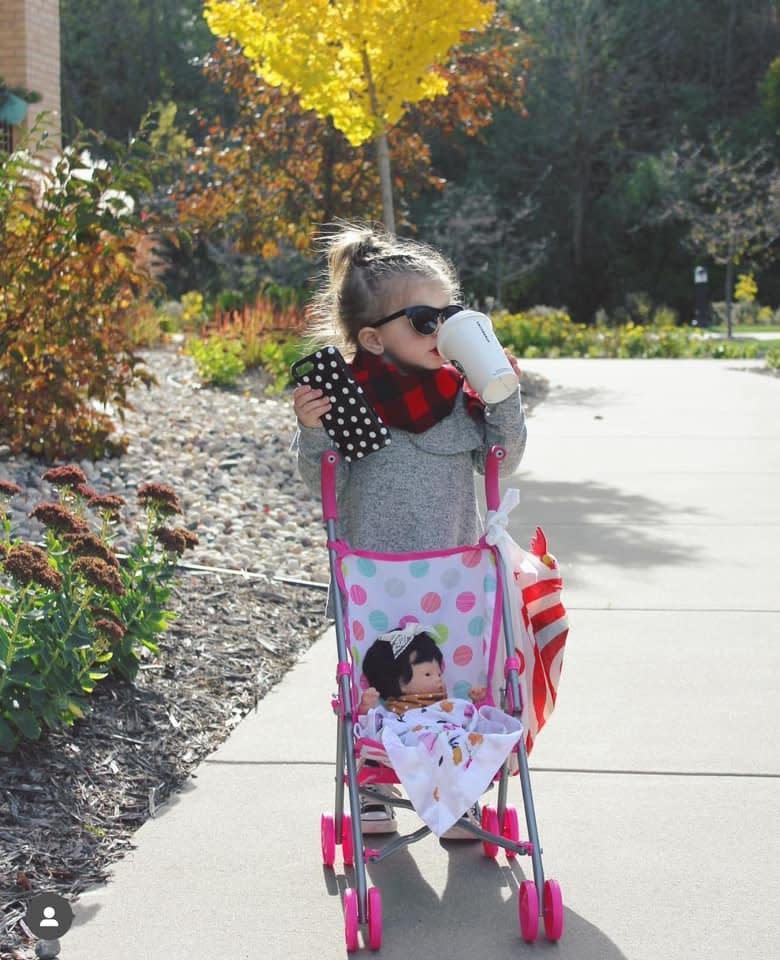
x: 492, y: 465
x: 329, y: 461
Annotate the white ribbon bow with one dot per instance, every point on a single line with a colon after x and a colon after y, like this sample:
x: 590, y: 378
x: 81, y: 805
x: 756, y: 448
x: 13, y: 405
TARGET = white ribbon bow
x: 400, y: 639
x: 496, y: 533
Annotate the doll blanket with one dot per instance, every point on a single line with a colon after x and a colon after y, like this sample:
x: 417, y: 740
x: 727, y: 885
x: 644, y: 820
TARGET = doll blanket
x: 445, y: 755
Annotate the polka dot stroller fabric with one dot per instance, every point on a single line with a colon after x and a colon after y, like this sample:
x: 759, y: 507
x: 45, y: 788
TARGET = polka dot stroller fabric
x: 455, y: 592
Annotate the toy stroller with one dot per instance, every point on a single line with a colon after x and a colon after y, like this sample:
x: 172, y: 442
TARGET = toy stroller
x: 461, y: 591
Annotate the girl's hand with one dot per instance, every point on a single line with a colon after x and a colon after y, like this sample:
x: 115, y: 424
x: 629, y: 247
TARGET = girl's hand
x: 369, y: 700
x: 477, y: 694
x: 309, y: 405
x: 514, y: 363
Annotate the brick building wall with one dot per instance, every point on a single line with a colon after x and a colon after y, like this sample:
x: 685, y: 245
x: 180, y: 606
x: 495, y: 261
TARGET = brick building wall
x: 30, y: 54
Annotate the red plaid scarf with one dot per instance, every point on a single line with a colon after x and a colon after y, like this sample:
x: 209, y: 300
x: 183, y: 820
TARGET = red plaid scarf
x: 412, y: 401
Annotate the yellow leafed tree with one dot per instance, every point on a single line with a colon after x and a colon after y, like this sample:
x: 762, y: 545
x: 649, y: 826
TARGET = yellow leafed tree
x: 359, y: 62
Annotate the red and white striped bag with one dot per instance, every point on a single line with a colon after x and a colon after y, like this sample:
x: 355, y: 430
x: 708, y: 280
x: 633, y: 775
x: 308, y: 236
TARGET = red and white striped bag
x: 539, y: 620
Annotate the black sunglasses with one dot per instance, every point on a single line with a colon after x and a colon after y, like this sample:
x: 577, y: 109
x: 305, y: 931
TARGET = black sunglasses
x: 424, y: 320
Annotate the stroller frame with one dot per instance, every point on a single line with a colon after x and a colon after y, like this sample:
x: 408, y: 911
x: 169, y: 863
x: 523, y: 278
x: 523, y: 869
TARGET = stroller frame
x: 539, y: 898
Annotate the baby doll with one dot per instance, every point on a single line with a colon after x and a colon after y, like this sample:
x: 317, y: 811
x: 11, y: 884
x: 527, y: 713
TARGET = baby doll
x: 404, y: 668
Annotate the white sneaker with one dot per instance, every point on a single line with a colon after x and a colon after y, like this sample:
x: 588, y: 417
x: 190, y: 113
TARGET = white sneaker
x: 474, y: 814
x: 376, y: 816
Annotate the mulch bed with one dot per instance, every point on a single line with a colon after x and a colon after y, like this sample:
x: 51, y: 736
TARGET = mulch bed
x: 70, y: 803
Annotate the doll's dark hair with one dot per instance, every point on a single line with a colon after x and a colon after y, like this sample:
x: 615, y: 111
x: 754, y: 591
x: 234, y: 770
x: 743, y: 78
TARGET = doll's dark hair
x: 385, y: 672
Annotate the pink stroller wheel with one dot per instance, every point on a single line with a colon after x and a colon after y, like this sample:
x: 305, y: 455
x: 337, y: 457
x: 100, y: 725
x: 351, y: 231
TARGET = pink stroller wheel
x: 510, y: 829
x: 553, y: 910
x: 328, y: 839
x: 528, y: 911
x: 347, y: 851
x: 351, y: 919
x: 374, y: 918
x: 490, y: 823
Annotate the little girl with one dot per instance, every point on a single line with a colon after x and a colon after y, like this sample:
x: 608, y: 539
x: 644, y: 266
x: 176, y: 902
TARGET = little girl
x: 417, y: 493
x: 382, y: 302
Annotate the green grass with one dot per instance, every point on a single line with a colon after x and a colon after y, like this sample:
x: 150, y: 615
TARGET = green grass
x: 746, y: 328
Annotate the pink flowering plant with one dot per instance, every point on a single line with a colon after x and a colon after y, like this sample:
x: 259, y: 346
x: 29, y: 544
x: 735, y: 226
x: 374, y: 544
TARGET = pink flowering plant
x: 72, y: 612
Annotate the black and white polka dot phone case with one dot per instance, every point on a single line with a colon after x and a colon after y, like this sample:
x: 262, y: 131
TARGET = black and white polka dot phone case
x: 353, y: 425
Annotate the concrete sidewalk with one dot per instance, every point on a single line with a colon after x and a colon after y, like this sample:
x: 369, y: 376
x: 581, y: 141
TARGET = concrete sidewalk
x: 657, y: 781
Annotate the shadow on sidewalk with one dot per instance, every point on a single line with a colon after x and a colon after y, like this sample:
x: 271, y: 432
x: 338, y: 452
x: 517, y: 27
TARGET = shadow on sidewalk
x: 590, y: 397
x: 596, y: 523
x: 476, y: 914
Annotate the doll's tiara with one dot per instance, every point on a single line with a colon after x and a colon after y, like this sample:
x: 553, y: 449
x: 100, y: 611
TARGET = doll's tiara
x: 400, y: 639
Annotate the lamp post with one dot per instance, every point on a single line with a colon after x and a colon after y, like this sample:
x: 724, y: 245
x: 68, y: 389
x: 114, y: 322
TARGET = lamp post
x: 702, y: 316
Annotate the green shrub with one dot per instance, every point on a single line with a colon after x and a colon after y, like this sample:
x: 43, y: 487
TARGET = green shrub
x: 146, y: 328
x: 731, y: 349
x: 277, y: 356
x: 773, y: 358
x: 193, y: 313
x: 746, y: 288
x: 219, y: 361
x: 70, y: 613
x: 262, y: 334
x: 545, y: 332
x: 70, y: 278
x: 543, y: 328
x: 743, y: 314
x: 170, y: 317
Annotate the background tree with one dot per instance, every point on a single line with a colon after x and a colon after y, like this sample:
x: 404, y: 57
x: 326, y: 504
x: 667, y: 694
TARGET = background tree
x: 731, y: 204
x: 769, y: 89
x: 121, y: 56
x: 358, y: 64
x: 489, y: 241
x: 611, y: 85
x: 262, y: 184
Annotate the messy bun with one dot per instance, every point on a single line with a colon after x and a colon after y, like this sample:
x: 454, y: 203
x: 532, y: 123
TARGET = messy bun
x: 363, y: 262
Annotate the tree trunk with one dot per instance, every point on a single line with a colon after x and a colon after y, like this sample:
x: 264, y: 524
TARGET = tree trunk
x: 382, y: 150
x: 386, y: 182
x: 579, y: 204
x: 500, y: 271
x: 328, y: 160
x: 729, y: 288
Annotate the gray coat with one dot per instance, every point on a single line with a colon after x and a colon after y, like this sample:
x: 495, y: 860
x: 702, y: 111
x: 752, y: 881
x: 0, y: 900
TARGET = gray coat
x: 418, y: 493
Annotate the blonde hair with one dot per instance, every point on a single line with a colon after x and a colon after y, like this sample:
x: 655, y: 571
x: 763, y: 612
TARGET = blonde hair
x: 363, y: 261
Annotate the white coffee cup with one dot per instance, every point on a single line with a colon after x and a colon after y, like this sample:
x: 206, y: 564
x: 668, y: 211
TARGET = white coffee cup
x: 467, y: 338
